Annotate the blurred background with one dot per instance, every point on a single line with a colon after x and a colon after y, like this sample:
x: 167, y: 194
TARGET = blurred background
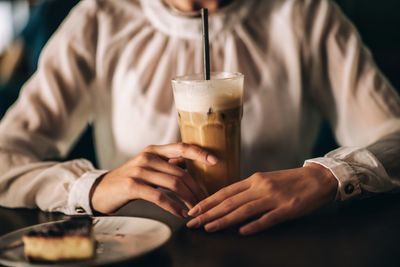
x: 25, y: 27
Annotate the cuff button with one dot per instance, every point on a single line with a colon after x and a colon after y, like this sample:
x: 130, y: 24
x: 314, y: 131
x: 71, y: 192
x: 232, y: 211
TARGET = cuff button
x: 79, y: 210
x: 348, y: 189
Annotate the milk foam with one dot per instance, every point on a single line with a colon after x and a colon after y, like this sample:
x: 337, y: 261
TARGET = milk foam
x: 201, y: 95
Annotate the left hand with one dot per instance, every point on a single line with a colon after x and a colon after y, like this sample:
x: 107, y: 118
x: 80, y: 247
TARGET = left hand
x: 270, y: 197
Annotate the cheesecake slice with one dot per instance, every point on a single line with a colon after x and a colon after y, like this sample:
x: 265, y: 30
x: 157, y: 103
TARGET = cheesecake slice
x: 70, y: 240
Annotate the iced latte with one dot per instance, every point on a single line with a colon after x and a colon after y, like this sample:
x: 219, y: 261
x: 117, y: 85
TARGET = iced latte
x: 209, y: 114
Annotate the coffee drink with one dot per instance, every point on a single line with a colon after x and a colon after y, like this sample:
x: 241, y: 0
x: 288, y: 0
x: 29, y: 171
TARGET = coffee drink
x: 209, y: 115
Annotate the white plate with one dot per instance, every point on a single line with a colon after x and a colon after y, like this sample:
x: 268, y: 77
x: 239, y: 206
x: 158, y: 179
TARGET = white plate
x: 119, y: 239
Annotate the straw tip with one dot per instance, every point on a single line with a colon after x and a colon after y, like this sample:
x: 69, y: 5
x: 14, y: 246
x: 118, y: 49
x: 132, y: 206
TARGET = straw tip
x: 206, y: 53
x: 204, y: 13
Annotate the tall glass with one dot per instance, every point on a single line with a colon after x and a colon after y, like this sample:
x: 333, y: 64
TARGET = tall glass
x: 209, y: 114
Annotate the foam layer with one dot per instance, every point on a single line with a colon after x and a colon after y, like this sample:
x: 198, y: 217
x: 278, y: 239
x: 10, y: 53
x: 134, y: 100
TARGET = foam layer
x: 192, y: 94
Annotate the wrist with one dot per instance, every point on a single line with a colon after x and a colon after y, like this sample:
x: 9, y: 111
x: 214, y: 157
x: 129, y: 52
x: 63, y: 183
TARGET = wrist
x: 91, y: 193
x: 79, y: 199
x: 328, y: 181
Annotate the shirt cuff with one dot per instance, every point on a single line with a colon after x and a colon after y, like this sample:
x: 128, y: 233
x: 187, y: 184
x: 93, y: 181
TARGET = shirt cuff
x: 78, y: 200
x: 348, y: 181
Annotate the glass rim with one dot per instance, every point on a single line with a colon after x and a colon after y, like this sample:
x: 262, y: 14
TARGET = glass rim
x: 195, y: 77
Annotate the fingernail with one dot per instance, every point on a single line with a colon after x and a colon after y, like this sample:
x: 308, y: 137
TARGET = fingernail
x: 212, y: 159
x: 193, y: 223
x: 184, y: 213
x: 210, y: 228
x: 194, y: 211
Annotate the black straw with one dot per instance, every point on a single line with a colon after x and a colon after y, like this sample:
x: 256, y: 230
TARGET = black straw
x: 206, y: 48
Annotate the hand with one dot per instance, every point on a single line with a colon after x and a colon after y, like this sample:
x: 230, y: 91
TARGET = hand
x: 270, y: 198
x: 155, y: 167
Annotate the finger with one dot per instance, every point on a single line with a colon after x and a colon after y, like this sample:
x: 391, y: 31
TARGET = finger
x: 167, y: 181
x: 185, y: 151
x: 222, y: 209
x: 155, y: 162
x: 178, y: 162
x: 266, y: 221
x: 244, y: 212
x: 218, y: 197
x: 160, y: 199
x: 194, y: 187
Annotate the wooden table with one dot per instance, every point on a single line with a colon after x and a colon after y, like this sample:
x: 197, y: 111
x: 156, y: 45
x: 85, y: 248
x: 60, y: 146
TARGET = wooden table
x: 357, y: 233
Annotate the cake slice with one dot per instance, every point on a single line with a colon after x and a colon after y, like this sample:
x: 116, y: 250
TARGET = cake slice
x: 70, y: 240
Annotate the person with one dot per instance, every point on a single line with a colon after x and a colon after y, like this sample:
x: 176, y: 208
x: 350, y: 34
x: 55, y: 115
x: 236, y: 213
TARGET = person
x: 110, y: 65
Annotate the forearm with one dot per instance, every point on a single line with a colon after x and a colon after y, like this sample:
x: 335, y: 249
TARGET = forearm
x: 50, y: 186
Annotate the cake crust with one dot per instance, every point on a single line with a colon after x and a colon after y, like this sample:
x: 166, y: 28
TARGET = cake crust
x: 70, y: 240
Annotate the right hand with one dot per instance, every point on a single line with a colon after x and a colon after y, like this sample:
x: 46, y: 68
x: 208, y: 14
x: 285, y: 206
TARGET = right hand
x: 155, y: 167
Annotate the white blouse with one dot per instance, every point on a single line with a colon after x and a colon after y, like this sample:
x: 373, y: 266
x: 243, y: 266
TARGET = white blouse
x: 110, y: 65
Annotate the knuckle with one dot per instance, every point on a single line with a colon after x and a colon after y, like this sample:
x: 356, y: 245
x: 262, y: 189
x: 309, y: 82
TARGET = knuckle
x: 138, y: 159
x: 130, y: 183
x: 229, y: 204
x: 159, y: 197
x: 145, y: 158
x: 268, y: 184
x: 149, y: 148
x: 137, y: 172
x: 181, y: 174
x: 175, y: 183
x: 181, y: 147
x: 201, y: 206
x: 258, y: 177
x: 202, y: 219
x: 248, y: 209
x: 202, y: 153
x: 224, y: 192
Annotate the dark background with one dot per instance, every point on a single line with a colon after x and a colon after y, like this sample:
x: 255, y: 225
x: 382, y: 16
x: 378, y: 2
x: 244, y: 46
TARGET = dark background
x: 377, y: 21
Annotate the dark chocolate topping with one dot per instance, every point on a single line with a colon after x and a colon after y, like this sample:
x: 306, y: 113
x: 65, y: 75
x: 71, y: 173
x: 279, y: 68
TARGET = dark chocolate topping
x: 74, y: 226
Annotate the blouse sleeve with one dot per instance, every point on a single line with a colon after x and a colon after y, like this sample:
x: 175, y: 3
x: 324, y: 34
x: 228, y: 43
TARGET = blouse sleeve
x: 53, y: 109
x: 360, y: 103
